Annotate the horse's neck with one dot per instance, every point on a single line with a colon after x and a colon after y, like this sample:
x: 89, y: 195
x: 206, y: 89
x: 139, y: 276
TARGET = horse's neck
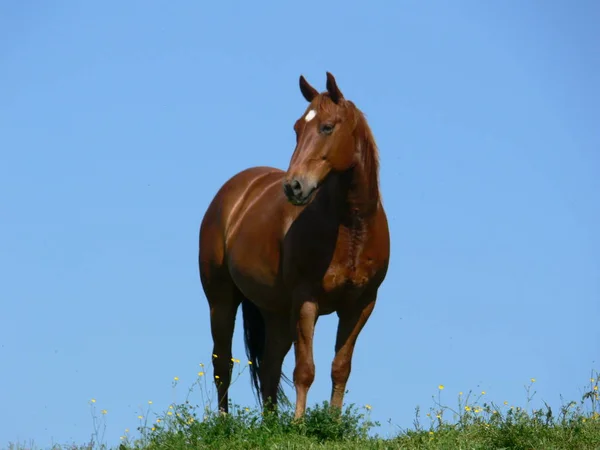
x: 363, y: 195
x: 356, y: 196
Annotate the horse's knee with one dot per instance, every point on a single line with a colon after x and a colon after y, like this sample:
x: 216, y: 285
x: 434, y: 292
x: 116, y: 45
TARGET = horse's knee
x: 304, y: 374
x: 340, y: 371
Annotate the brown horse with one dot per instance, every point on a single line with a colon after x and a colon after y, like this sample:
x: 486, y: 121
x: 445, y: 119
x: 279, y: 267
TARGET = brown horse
x: 291, y: 246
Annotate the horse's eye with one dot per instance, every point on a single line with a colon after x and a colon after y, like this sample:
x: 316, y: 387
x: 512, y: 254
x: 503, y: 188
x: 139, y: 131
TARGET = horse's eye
x: 326, y: 128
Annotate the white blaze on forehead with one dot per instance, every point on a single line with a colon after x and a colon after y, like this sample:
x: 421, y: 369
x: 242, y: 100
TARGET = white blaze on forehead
x: 310, y: 115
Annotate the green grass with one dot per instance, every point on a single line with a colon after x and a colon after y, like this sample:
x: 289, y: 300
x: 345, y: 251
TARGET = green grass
x: 472, y: 423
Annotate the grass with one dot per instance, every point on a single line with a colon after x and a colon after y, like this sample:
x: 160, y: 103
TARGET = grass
x: 473, y: 423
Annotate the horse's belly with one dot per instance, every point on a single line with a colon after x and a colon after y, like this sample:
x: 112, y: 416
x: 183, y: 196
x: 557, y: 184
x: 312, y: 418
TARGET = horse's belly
x: 258, y: 288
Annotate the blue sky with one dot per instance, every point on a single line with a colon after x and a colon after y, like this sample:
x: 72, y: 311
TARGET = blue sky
x: 120, y: 120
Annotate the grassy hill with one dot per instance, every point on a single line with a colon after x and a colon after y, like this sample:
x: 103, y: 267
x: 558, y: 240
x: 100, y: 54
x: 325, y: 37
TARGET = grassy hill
x: 472, y: 423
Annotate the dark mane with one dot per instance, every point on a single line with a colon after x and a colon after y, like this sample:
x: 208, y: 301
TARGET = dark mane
x: 369, y: 158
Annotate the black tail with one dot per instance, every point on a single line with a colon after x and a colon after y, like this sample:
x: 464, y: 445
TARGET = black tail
x: 254, y: 338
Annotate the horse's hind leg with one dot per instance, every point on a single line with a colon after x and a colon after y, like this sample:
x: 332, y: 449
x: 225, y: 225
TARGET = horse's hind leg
x: 224, y: 299
x: 278, y: 341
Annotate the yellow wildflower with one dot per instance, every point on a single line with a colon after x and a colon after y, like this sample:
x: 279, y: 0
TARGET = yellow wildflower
x: 200, y: 374
x: 169, y: 413
x: 126, y: 430
x: 368, y: 407
x: 122, y: 438
x: 249, y: 363
x: 506, y: 403
x: 431, y: 432
x: 170, y: 406
x: 595, y: 388
x: 215, y: 356
x: 176, y: 378
x: 153, y: 429
x: 217, y: 377
x: 482, y: 392
x: 93, y: 400
x: 104, y: 411
x: 438, y: 416
x: 467, y: 408
x: 149, y: 402
x: 460, y: 393
x: 533, y: 380
x: 140, y: 417
x: 440, y: 387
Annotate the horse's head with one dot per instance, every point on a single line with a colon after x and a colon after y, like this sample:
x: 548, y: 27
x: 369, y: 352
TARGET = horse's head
x: 326, y: 141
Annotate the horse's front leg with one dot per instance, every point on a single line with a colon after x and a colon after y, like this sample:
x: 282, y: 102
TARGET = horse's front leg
x: 305, y: 318
x: 351, y: 321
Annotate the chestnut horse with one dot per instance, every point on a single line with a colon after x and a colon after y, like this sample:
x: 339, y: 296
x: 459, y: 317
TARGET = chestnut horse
x: 291, y: 246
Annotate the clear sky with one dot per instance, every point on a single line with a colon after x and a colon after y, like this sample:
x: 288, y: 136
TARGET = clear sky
x: 120, y: 120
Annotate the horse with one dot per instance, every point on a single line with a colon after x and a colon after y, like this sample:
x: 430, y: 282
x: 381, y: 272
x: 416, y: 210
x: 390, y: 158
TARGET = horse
x: 290, y: 246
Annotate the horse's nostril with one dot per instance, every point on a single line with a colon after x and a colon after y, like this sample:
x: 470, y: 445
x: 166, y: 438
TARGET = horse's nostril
x: 296, y: 186
x: 292, y: 188
x: 287, y: 189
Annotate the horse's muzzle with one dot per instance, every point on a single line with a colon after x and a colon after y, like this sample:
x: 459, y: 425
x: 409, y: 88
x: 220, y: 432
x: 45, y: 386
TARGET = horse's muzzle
x: 298, y: 192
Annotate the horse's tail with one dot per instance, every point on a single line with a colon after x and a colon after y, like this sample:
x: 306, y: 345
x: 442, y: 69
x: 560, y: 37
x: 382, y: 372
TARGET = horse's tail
x: 254, y: 339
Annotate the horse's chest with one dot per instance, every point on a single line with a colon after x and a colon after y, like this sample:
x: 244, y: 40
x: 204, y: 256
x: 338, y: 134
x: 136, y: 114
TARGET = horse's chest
x: 352, y: 266
x: 347, y: 278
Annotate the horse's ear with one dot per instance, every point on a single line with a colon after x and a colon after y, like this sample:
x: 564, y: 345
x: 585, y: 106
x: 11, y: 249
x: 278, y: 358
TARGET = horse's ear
x: 307, y: 90
x: 334, y: 91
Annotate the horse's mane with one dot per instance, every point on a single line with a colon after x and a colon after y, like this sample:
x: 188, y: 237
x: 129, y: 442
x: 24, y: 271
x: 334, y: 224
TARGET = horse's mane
x: 369, y: 155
